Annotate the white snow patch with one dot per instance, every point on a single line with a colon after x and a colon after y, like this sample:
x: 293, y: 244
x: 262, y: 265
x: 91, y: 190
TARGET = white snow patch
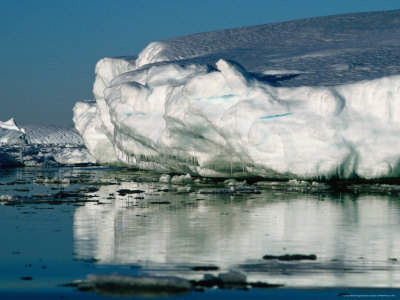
x: 10, y: 125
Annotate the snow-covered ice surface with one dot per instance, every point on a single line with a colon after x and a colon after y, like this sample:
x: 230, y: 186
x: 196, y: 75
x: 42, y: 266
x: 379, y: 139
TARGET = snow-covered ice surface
x: 311, y: 98
x: 11, y: 134
x: 52, y: 134
x: 41, y: 145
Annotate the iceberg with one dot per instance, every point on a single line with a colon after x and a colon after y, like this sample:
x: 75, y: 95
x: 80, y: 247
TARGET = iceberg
x: 41, y: 145
x: 52, y: 134
x: 318, y: 105
x: 10, y: 133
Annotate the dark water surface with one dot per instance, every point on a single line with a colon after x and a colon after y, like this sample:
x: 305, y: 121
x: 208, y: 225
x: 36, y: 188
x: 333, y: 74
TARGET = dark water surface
x: 59, y: 225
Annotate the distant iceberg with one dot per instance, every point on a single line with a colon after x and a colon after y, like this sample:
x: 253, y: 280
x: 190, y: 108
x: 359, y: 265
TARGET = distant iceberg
x: 41, y: 145
x: 331, y: 109
x: 10, y: 133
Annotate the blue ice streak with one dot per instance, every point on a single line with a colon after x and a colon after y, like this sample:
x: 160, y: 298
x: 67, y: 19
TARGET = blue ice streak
x: 275, y: 116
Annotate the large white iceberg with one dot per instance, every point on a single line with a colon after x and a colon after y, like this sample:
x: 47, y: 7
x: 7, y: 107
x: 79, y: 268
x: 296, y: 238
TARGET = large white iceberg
x: 183, y: 106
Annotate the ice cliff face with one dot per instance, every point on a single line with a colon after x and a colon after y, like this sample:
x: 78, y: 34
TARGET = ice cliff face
x: 178, y: 107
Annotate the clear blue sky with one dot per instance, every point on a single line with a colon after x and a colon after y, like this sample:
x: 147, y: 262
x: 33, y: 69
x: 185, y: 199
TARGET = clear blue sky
x: 49, y: 48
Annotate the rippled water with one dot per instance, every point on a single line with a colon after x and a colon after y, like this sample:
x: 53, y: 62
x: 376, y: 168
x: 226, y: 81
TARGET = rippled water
x: 81, y: 221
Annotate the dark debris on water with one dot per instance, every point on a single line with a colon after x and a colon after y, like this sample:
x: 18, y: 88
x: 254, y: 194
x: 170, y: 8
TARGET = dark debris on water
x: 205, y: 268
x: 291, y: 257
x: 123, y: 192
x: 26, y: 278
x: 163, y: 286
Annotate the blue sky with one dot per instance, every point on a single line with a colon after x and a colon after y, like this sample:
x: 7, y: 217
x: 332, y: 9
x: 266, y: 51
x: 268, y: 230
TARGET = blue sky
x: 49, y: 48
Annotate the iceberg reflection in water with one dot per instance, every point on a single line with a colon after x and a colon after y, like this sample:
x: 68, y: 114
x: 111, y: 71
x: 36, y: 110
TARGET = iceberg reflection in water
x: 354, y: 236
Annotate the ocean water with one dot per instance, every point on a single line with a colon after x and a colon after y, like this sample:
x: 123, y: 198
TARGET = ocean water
x: 59, y: 225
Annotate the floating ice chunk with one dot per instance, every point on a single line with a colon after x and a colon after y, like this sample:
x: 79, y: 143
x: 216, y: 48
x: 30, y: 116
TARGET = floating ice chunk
x: 165, y: 178
x: 54, y: 180
x: 182, y: 179
x: 295, y: 186
x: 73, y: 156
x: 5, y: 198
x: 233, y: 277
x: 375, y: 188
x: 184, y: 189
x: 233, y: 182
x: 298, y: 182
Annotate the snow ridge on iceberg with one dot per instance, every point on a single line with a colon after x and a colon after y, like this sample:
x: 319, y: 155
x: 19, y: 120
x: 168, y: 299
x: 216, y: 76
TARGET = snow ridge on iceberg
x: 207, y: 119
x: 52, y: 134
x: 10, y: 133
